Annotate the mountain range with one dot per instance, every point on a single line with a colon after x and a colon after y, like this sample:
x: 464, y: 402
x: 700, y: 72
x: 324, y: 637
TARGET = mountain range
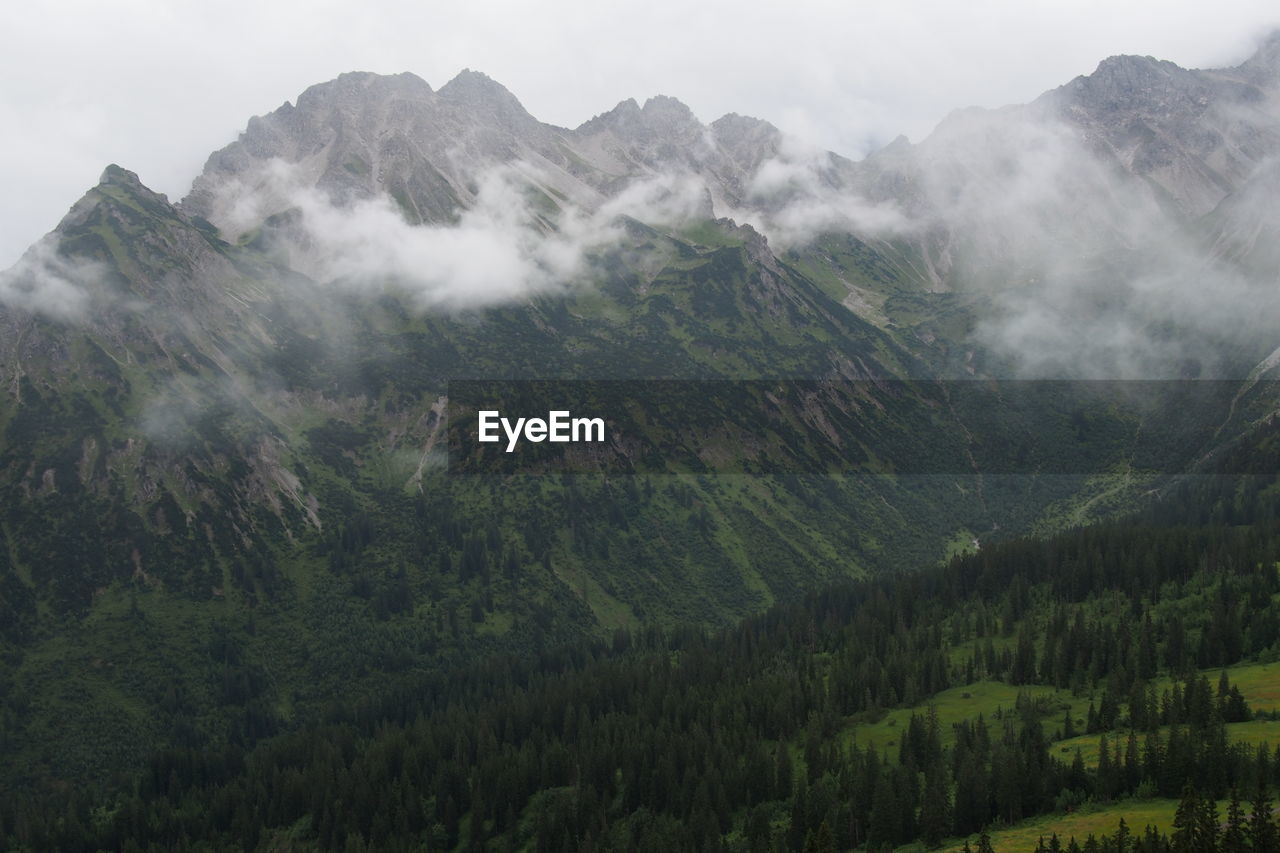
x: 221, y: 425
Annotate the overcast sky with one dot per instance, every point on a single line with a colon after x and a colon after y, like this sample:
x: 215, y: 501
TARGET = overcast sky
x: 156, y: 85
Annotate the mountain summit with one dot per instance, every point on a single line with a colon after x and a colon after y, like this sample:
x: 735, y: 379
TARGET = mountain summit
x: 222, y: 446
x: 365, y: 135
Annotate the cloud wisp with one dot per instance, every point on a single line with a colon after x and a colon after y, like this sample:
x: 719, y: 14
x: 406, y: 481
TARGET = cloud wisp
x: 803, y: 193
x: 47, y: 283
x: 517, y: 239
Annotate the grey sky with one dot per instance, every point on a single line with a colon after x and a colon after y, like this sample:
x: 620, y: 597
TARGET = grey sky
x: 156, y: 85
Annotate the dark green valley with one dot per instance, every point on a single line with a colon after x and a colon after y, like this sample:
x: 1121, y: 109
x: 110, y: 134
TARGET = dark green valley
x: 948, y: 518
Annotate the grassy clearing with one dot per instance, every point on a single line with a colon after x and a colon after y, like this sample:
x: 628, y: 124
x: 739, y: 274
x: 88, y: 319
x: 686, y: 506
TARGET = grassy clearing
x: 1260, y: 684
x: 991, y: 699
x: 1253, y: 732
x: 1102, y: 820
x: 960, y: 653
x: 961, y: 543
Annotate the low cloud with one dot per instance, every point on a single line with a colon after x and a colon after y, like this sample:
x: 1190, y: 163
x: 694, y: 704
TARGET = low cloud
x: 45, y: 282
x: 499, y: 250
x: 516, y: 240
x: 1082, y: 270
x: 804, y: 193
x: 519, y: 237
x: 814, y: 205
x: 671, y: 200
x: 1022, y: 193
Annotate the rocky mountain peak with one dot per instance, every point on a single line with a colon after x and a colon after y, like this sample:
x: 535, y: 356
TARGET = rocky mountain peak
x: 1143, y: 83
x: 1264, y: 66
x: 661, y: 117
x: 360, y: 87
x: 749, y: 141
x: 733, y: 127
x: 116, y: 186
x: 479, y: 91
x: 664, y: 108
x: 115, y: 175
x: 1196, y: 134
x: 1129, y: 65
x: 622, y: 120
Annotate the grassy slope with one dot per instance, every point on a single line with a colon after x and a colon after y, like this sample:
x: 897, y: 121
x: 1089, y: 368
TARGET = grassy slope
x: 1253, y: 732
x: 1092, y: 820
x: 1259, y: 682
x: 991, y: 699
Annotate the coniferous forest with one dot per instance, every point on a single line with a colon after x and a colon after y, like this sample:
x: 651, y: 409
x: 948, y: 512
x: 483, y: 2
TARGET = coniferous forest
x: 748, y: 739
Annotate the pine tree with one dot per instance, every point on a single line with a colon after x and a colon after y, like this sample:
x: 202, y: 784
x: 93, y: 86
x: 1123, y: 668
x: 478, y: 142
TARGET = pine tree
x: 797, y: 829
x: 1105, y: 774
x: 1235, y: 709
x: 1208, y: 824
x: 1122, y: 837
x: 1233, y: 840
x: 934, y: 807
x: 1185, y: 838
x: 885, y: 808
x: 824, y: 842
x: 782, y: 774
x: 758, y: 830
x: 1146, y: 650
x: 1132, y: 763
x: 1262, y: 828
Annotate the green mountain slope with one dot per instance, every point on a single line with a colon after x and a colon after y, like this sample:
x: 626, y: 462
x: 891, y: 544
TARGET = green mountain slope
x: 223, y: 501
x: 247, y: 464
x: 224, y: 476
x: 927, y: 706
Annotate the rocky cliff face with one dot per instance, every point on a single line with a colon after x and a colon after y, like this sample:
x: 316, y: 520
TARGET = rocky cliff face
x: 1091, y: 167
x: 1111, y: 226
x: 1139, y: 146
x: 1196, y: 135
x: 364, y: 135
x: 1140, y: 164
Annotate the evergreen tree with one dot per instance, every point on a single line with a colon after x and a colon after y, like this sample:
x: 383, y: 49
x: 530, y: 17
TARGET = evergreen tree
x: 824, y: 842
x: 798, y: 827
x: 1122, y: 837
x: 1262, y: 829
x: 782, y: 774
x: 934, y: 817
x: 1186, y: 824
x: 1207, y: 821
x: 1233, y: 835
x: 758, y: 832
